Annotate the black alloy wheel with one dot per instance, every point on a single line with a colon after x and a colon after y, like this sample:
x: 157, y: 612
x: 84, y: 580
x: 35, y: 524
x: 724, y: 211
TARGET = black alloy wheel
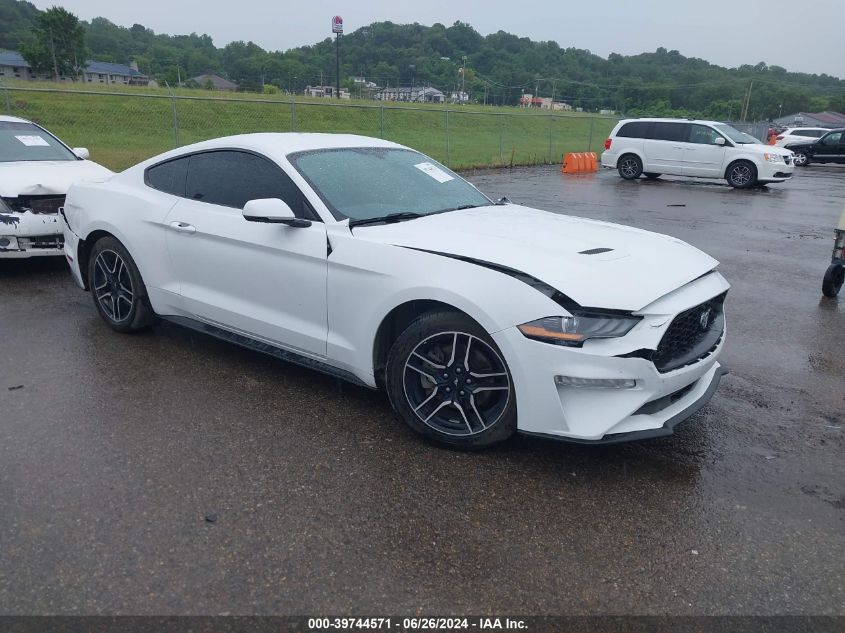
x: 117, y: 288
x: 448, y: 380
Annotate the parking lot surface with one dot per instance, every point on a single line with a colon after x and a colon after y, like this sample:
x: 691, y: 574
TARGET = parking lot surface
x: 169, y: 472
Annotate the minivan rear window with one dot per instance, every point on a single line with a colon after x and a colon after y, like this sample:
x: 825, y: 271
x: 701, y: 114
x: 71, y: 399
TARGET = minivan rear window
x: 635, y: 129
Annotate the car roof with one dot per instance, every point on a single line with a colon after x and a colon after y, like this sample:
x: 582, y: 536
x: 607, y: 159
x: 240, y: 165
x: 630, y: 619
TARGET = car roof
x: 12, y: 119
x: 277, y: 145
x: 671, y: 120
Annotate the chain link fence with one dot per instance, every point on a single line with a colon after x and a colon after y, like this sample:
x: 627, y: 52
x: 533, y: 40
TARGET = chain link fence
x: 121, y: 129
x: 758, y: 130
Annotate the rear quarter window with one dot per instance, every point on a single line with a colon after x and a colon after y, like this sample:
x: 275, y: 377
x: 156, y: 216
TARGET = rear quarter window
x: 169, y: 177
x: 635, y: 129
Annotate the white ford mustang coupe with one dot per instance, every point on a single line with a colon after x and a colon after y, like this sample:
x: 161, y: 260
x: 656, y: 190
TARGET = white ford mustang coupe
x: 374, y: 263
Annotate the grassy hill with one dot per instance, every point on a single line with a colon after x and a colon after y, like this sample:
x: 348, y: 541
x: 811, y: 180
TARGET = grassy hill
x: 123, y: 125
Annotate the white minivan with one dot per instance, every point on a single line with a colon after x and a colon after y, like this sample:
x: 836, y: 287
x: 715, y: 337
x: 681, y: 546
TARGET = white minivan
x: 704, y: 149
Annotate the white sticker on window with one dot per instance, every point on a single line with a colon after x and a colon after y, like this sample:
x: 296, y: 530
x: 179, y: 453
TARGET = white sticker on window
x: 435, y: 172
x: 33, y: 141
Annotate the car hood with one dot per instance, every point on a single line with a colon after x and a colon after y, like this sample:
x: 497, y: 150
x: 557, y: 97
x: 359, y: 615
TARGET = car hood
x: 767, y: 149
x: 597, y: 264
x: 802, y: 145
x: 44, y: 178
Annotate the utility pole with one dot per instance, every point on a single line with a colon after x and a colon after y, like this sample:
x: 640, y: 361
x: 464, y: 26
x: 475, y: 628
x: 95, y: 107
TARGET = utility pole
x: 463, y: 79
x: 747, y: 101
x: 554, y: 84
x: 53, y: 54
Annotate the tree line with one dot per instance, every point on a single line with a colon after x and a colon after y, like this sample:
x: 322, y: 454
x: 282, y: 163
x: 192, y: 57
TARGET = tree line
x: 495, y: 69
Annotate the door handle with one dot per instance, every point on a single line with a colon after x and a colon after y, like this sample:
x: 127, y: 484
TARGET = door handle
x: 183, y: 227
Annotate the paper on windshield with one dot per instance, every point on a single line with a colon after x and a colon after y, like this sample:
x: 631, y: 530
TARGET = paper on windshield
x: 435, y: 172
x: 33, y: 141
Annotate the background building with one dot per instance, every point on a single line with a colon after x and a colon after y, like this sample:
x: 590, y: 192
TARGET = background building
x: 421, y: 94
x: 14, y: 66
x: 214, y: 82
x: 812, y: 119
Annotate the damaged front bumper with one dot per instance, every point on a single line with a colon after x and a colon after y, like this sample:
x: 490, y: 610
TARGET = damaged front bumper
x: 30, y: 227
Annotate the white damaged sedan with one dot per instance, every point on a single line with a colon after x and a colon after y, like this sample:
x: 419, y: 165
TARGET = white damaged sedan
x: 36, y: 170
x: 372, y: 262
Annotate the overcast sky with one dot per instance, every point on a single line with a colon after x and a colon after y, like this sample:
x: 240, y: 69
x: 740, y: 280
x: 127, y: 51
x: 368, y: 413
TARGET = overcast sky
x: 802, y: 36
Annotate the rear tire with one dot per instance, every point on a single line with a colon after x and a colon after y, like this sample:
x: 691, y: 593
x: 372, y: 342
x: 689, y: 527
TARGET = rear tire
x: 801, y: 158
x: 833, y: 280
x: 651, y: 176
x: 630, y: 167
x: 119, y: 293
x: 448, y: 380
x: 741, y: 175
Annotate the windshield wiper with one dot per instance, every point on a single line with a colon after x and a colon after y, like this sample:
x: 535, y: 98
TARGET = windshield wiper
x: 385, y: 219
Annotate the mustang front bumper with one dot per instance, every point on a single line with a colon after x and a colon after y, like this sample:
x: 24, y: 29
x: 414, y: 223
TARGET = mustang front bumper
x: 605, y: 392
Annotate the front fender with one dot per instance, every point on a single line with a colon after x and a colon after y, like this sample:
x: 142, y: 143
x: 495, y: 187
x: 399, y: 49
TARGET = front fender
x: 367, y: 280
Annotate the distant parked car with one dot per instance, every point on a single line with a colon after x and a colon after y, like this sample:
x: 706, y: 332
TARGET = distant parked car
x: 830, y: 148
x: 372, y: 262
x: 792, y: 135
x: 705, y: 149
x: 36, y: 170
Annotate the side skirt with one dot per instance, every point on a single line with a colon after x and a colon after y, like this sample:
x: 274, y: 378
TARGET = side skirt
x: 266, y: 348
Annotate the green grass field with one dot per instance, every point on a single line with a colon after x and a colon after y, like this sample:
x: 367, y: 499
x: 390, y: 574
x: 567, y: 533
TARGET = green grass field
x: 136, y: 123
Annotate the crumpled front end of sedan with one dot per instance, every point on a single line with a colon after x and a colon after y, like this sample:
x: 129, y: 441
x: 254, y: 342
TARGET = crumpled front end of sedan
x: 29, y: 226
x: 636, y: 386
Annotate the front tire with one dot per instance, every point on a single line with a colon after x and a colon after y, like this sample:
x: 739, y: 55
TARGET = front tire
x: 833, y: 280
x: 741, y: 175
x: 800, y: 158
x: 630, y: 167
x: 448, y: 380
x: 119, y: 293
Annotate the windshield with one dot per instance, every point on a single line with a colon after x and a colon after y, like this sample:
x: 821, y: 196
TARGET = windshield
x: 735, y: 135
x: 25, y: 141
x: 371, y: 182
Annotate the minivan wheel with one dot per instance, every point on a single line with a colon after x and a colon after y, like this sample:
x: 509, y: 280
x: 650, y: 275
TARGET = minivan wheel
x: 117, y: 288
x: 630, y: 167
x: 448, y: 380
x: 742, y: 175
x: 801, y: 159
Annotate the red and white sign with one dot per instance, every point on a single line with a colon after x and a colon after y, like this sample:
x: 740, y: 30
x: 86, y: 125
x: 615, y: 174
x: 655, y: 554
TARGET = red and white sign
x: 337, y: 24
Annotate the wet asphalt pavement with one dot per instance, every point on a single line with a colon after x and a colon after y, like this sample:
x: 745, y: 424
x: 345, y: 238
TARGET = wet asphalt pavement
x: 170, y: 473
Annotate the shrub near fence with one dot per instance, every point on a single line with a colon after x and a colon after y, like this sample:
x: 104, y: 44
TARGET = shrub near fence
x: 123, y: 128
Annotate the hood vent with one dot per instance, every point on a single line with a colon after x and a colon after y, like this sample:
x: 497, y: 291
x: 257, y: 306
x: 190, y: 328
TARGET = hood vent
x: 595, y: 251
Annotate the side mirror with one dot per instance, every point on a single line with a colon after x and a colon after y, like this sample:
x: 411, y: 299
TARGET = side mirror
x: 720, y: 141
x: 272, y: 211
x: 81, y: 152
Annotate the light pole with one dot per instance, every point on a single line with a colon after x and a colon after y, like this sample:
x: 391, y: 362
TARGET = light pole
x: 463, y: 79
x: 413, y: 69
